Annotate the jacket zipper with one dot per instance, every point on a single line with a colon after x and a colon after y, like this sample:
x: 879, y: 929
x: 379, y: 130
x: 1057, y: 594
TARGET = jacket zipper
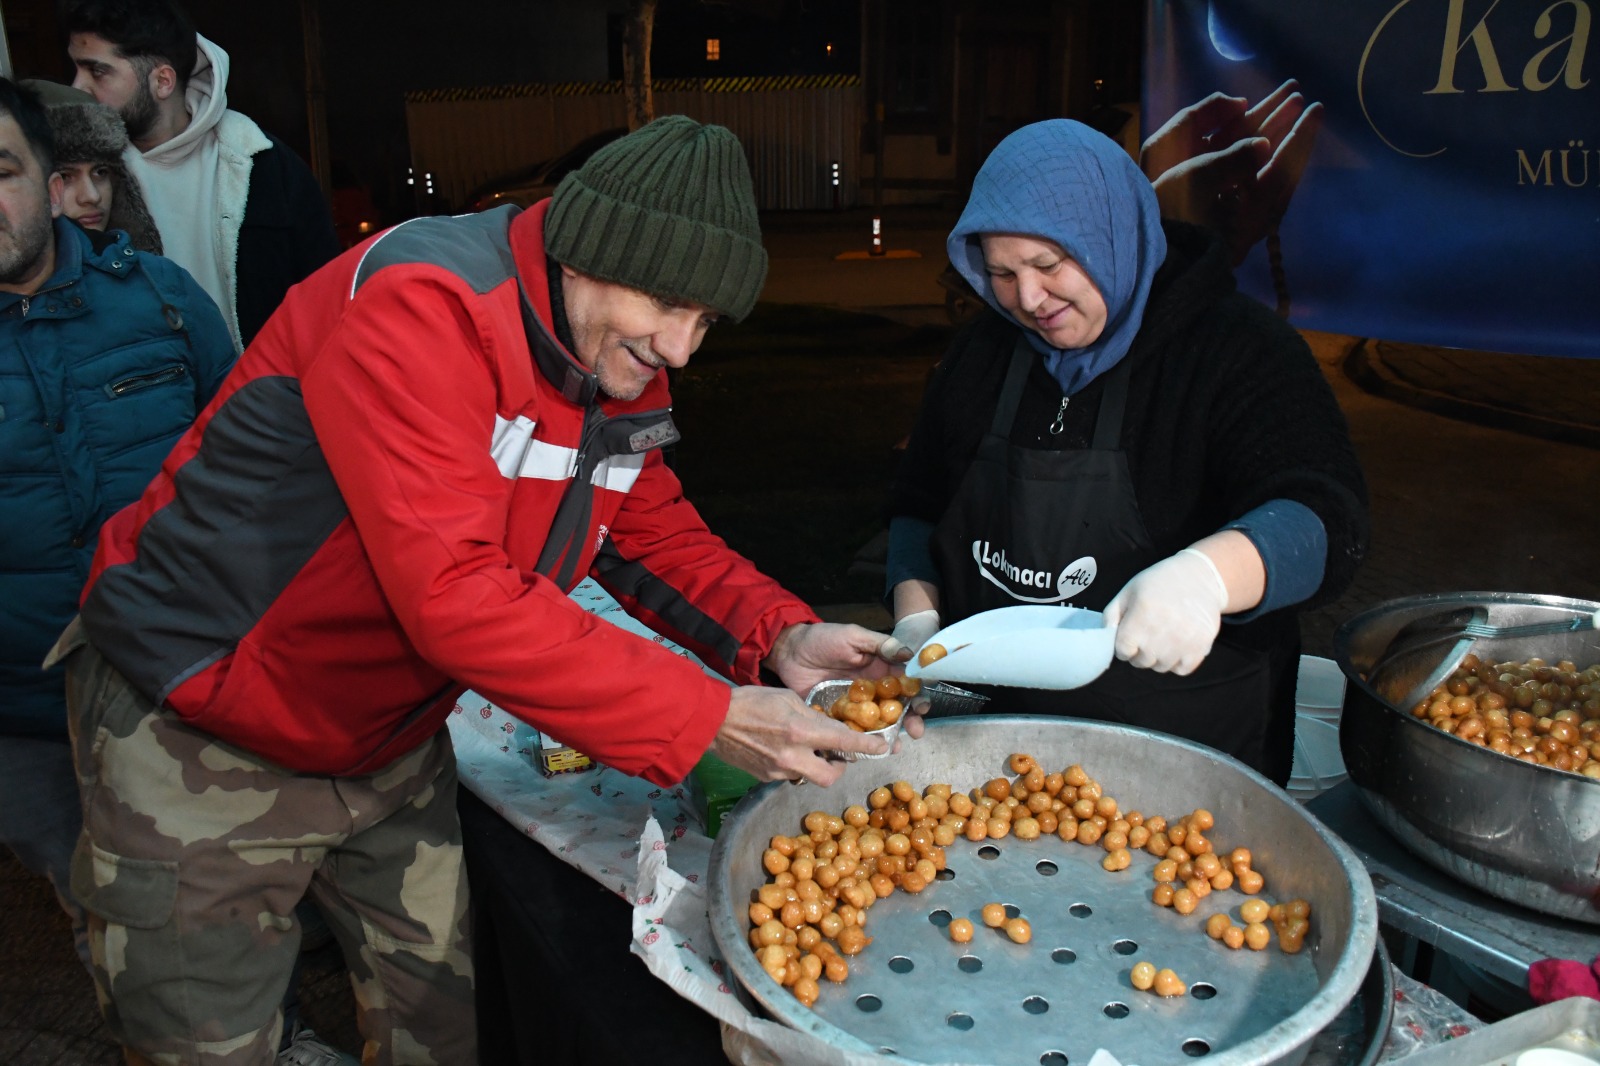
x: 27, y: 301
x: 586, y: 439
x: 574, y: 511
x: 145, y: 381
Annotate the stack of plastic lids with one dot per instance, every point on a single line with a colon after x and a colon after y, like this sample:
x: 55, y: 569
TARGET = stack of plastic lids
x: 1319, y: 700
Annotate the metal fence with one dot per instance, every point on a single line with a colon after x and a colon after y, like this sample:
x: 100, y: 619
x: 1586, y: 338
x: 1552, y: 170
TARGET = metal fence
x: 794, y: 129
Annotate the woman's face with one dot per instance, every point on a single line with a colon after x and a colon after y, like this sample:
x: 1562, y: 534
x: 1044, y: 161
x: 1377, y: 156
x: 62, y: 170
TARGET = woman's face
x: 88, y: 193
x: 1044, y: 288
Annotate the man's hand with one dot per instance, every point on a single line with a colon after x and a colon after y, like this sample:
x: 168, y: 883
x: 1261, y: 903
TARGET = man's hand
x: 772, y: 734
x: 1168, y: 614
x: 1224, y: 164
x: 803, y: 656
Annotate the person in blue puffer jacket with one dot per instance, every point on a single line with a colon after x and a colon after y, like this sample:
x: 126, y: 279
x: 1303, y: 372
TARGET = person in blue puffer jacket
x: 107, y: 354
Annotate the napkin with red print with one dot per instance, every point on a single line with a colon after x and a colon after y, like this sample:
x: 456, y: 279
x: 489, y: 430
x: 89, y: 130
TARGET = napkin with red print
x: 1553, y: 979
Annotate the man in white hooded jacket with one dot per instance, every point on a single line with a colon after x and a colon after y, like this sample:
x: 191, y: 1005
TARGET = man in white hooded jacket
x: 235, y: 206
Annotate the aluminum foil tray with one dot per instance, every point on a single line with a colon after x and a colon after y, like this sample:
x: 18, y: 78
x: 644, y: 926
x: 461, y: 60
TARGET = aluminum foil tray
x: 935, y: 699
x: 946, y: 700
x: 915, y: 996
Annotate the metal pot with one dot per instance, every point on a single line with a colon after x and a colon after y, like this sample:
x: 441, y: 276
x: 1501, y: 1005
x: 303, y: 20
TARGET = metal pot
x: 915, y: 996
x: 1521, y: 832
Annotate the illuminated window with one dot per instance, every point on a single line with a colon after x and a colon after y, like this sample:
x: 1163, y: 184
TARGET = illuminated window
x: 713, y: 48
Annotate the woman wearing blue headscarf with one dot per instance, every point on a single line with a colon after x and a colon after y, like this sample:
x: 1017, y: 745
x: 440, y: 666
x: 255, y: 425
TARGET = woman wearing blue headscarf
x: 1125, y: 432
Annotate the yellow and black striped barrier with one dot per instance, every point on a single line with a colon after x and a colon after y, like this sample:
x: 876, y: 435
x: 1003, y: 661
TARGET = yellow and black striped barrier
x: 764, y: 83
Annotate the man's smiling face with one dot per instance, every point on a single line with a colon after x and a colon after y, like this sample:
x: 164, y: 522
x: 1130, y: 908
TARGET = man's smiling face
x: 626, y: 336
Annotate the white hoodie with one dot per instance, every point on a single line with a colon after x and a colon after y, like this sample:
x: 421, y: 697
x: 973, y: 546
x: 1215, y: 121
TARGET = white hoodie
x: 196, y: 184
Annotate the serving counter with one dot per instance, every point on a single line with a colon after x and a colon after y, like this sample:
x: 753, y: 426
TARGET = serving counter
x: 1499, y: 938
x: 571, y: 873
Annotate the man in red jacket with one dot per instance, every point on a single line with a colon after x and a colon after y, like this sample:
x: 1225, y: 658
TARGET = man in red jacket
x: 431, y: 442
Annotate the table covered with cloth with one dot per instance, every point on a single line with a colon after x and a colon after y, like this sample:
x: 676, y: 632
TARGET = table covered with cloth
x: 564, y: 867
x: 643, y: 845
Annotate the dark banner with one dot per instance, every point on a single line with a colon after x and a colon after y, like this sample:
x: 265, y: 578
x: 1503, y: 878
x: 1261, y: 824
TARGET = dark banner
x: 1421, y: 170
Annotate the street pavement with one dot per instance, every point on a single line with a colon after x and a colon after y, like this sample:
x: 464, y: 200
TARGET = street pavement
x: 1482, y: 470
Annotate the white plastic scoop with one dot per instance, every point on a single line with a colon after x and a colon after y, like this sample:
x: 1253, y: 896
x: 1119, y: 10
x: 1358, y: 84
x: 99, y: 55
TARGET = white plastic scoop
x: 1028, y: 646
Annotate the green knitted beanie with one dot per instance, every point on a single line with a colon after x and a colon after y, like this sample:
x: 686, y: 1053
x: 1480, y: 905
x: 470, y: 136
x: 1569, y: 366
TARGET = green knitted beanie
x: 668, y: 209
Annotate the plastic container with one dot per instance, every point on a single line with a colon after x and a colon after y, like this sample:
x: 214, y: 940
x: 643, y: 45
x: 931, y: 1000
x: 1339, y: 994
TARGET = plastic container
x: 715, y: 788
x: 1319, y: 701
x: 1319, y: 688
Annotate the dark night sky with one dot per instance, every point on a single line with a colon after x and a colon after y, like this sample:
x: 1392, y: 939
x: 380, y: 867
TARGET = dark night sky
x: 376, y: 50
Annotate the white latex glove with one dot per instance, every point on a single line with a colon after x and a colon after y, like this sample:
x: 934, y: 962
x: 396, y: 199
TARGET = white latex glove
x: 1168, y: 614
x: 910, y: 633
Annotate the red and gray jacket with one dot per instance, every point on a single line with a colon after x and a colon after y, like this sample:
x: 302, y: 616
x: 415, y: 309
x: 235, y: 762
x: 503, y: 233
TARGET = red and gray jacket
x: 387, y: 503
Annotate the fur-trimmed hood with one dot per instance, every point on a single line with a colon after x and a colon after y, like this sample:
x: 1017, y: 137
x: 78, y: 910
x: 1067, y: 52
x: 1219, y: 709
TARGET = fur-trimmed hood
x: 87, y: 131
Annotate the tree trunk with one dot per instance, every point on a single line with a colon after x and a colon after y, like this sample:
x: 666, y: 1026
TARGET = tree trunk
x: 637, y: 99
x: 316, y: 96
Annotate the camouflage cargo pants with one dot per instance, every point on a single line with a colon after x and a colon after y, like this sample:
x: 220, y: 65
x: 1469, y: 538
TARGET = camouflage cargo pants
x: 194, y: 854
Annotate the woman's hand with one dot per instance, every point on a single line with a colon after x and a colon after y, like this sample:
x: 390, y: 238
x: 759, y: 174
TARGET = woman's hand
x: 1168, y: 615
x: 910, y: 634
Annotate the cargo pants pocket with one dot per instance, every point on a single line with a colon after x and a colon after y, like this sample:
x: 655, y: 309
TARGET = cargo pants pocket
x: 136, y: 953
x: 136, y: 893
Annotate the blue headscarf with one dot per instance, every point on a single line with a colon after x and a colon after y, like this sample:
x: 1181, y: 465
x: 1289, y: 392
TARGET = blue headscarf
x: 1062, y: 181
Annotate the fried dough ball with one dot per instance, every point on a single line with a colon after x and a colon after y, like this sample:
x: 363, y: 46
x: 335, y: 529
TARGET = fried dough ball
x: 1254, y: 910
x: 812, y: 912
x: 1168, y: 985
x: 852, y: 940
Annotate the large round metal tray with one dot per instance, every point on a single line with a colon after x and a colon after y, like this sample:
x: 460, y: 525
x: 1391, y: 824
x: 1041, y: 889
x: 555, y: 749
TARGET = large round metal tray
x: 1358, y: 1035
x: 1521, y: 832
x: 915, y: 996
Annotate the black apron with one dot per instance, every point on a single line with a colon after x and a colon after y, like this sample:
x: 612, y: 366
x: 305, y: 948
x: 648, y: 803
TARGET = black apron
x: 1044, y: 526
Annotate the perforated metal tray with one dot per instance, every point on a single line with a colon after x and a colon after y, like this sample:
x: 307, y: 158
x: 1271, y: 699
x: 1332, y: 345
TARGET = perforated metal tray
x: 915, y: 996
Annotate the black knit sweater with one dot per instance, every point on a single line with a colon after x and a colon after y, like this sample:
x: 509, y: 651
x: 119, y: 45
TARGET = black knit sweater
x: 1227, y: 409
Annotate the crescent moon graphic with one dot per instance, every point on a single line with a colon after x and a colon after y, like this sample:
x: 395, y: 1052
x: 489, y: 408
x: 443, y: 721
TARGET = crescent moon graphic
x: 1228, y: 44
